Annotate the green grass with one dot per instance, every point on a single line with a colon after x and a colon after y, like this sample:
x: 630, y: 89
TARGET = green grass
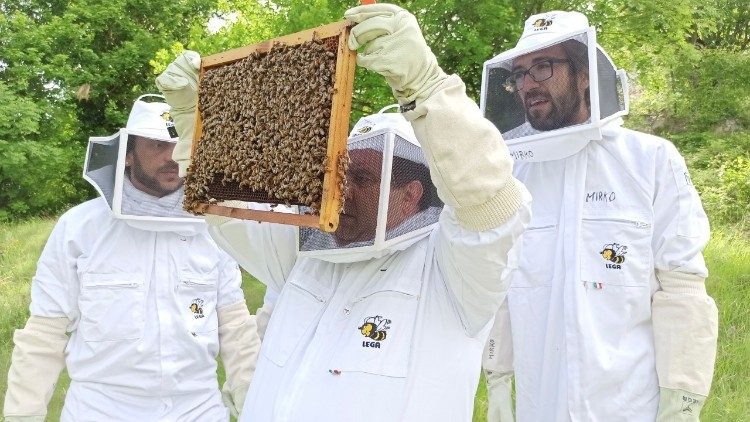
x: 728, y: 260
x: 727, y: 255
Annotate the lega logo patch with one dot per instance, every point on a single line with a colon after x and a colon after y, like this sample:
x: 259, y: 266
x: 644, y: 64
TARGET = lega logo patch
x: 615, y: 254
x: 196, y: 307
x: 364, y: 129
x: 375, y: 328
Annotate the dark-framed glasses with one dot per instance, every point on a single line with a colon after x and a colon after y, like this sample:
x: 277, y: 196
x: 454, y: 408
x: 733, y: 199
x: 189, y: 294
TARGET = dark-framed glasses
x: 539, y: 72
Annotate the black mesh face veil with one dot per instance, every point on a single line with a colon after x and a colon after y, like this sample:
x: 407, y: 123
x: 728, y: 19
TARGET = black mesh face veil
x: 358, y: 220
x: 133, y: 169
x: 151, y: 186
x: 389, y: 197
x: 100, y: 167
x: 413, y: 200
x: 136, y: 176
x: 554, y: 87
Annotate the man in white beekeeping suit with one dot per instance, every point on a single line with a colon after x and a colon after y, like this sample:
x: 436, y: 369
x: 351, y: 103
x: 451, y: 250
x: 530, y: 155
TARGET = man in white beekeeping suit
x: 608, y: 310
x: 133, y: 297
x: 386, y: 318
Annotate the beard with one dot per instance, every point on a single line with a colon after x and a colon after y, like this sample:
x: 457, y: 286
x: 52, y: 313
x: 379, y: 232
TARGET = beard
x: 563, y: 110
x: 136, y: 172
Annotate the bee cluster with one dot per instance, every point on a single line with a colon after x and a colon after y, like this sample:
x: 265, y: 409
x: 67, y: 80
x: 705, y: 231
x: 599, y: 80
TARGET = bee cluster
x: 265, y: 123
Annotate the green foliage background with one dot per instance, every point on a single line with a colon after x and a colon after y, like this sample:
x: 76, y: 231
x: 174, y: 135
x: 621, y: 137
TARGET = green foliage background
x: 71, y: 69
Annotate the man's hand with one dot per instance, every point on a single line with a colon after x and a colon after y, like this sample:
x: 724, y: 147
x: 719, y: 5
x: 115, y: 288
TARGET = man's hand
x: 390, y: 43
x: 179, y: 84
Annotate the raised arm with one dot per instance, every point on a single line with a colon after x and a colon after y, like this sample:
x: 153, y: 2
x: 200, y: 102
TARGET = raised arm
x: 486, y: 208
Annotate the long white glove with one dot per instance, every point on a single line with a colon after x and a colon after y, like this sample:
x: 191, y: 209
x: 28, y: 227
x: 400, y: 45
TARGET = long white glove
x: 499, y: 401
x: 263, y: 314
x: 239, y: 346
x: 390, y: 43
x: 179, y: 84
x: 497, y: 362
x: 38, y: 357
x: 685, y: 323
x: 477, y: 184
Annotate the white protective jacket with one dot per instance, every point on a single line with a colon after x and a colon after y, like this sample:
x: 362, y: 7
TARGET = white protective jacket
x: 583, y: 334
x: 439, y: 293
x: 128, y: 295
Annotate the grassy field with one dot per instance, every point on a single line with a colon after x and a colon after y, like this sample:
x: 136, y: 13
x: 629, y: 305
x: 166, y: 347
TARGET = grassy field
x: 728, y: 258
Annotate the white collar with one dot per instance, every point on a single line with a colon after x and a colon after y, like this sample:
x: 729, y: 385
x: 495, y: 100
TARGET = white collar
x: 555, y: 145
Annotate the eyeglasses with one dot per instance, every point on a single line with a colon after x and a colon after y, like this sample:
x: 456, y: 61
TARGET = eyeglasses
x: 539, y: 72
x: 363, y: 178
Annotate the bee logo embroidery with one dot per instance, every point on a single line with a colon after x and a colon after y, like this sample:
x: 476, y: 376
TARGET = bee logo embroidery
x: 170, y: 124
x: 375, y: 328
x: 364, y: 129
x: 615, y: 253
x: 542, y: 23
x: 197, y: 308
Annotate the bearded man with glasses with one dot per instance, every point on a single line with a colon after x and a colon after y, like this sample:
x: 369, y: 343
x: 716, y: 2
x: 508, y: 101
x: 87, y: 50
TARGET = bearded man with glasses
x: 553, y: 86
x: 608, y: 311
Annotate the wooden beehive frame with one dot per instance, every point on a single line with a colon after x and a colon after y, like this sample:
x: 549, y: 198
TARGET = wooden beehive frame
x: 338, y: 130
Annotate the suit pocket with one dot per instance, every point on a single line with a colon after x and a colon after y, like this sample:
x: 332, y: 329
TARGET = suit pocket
x: 294, y: 317
x: 112, y: 307
x: 196, y: 295
x: 379, y: 335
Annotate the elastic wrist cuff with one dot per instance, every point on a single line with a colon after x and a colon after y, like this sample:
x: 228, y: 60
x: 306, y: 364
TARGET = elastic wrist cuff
x: 181, y: 110
x: 681, y: 283
x: 48, y: 325
x: 493, y: 213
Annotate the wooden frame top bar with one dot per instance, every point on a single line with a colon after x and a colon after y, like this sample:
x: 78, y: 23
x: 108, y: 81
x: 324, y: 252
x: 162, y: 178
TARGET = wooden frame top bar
x: 231, y: 56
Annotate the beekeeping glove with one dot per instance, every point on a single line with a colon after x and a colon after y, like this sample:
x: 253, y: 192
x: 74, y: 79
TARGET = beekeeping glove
x: 239, y: 345
x: 499, y: 401
x: 686, y: 329
x: 469, y: 163
x: 679, y: 406
x: 179, y: 84
x: 390, y: 43
x: 38, y: 357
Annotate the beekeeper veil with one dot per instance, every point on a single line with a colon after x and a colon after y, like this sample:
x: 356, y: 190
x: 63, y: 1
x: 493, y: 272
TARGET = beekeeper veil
x: 134, y: 172
x: 551, y: 94
x: 389, y: 201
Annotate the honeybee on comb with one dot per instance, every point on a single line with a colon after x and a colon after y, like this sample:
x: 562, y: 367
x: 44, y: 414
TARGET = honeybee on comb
x: 265, y: 122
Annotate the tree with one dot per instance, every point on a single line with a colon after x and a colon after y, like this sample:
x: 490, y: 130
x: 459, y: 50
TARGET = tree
x: 75, y: 68
x: 69, y: 70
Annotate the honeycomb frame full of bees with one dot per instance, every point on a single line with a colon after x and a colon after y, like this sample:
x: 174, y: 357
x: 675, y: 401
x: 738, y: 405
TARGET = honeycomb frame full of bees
x: 299, y: 156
